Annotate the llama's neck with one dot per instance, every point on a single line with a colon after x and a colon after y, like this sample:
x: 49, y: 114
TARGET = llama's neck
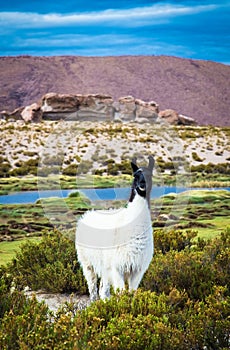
x: 138, y: 203
x: 134, y: 196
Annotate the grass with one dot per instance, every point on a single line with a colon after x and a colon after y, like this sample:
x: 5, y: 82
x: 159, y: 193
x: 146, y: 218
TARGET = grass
x: 206, y: 212
x: 8, y: 250
x: 33, y: 183
x: 19, y: 222
x: 218, y: 223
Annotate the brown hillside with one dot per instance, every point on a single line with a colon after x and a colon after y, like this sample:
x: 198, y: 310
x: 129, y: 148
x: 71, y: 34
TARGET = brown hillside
x: 198, y: 89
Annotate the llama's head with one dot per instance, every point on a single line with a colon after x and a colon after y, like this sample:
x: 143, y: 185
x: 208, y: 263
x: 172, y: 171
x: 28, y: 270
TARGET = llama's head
x: 142, y: 182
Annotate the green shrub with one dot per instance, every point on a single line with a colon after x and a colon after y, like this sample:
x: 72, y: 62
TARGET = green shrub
x: 5, y: 169
x: 70, y: 170
x: 24, y: 168
x: 50, y: 265
x: 165, y: 240
x: 196, y: 157
x: 138, y: 320
x: 145, y: 320
x: 188, y: 309
x: 116, y: 168
x: 25, y: 325
x: 193, y: 271
x: 221, y: 168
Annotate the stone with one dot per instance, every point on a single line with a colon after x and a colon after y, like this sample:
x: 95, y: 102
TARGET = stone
x: 169, y: 116
x: 59, y: 106
x: 146, y: 111
x: 92, y: 107
x: 4, y: 115
x: 32, y: 113
x: 15, y: 115
x: 96, y: 107
x: 184, y: 120
x: 125, y: 109
x: 53, y: 102
x: 172, y: 117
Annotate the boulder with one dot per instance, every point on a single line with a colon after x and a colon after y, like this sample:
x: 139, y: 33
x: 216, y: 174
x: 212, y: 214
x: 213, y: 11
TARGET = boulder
x: 53, y: 102
x: 146, y: 111
x: 125, y: 109
x: 4, y: 115
x: 95, y: 107
x: 92, y: 107
x: 169, y: 116
x: 184, y: 120
x: 32, y: 113
x: 172, y: 117
x: 59, y: 106
x: 15, y: 115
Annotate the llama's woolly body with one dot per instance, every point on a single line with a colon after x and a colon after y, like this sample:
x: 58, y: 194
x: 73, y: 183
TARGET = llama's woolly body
x: 117, y: 245
x: 129, y: 244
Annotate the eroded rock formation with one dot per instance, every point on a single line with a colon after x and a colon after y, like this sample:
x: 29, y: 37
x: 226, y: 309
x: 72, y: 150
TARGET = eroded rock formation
x: 97, y: 107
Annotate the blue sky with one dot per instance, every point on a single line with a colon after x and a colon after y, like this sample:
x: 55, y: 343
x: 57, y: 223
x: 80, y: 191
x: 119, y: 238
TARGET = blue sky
x: 190, y: 29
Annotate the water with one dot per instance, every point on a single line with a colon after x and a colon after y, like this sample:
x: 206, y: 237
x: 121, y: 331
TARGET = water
x: 27, y: 197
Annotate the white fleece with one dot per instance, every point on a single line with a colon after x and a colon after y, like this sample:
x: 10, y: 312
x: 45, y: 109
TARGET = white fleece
x: 115, y: 245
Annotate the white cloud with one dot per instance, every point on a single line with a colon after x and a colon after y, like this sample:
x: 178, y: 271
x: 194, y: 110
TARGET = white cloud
x: 75, y: 40
x: 139, y: 16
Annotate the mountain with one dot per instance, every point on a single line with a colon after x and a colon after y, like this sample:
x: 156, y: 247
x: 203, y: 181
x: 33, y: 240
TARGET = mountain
x: 195, y: 88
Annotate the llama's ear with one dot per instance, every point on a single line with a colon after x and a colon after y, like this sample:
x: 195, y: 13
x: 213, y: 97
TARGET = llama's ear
x: 134, y: 165
x: 151, y: 163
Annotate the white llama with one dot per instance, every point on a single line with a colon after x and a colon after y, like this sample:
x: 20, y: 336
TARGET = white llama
x: 117, y: 245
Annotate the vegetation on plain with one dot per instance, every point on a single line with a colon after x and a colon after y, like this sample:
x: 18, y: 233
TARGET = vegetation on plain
x: 184, y: 299
x: 183, y: 302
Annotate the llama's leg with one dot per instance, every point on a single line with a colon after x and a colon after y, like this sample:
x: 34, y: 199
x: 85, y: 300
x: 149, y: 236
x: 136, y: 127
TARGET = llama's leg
x: 118, y: 280
x: 134, y: 279
x: 91, y: 279
x: 104, y: 291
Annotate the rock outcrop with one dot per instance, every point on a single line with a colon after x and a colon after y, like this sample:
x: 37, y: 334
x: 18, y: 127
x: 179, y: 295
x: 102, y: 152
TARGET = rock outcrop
x: 32, y: 113
x: 77, y: 107
x: 125, y: 108
x: 97, y: 107
x: 174, y: 118
x: 146, y: 111
x: 15, y: 115
x: 184, y: 120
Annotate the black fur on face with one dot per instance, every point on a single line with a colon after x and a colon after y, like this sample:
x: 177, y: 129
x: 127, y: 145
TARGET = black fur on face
x: 142, y: 182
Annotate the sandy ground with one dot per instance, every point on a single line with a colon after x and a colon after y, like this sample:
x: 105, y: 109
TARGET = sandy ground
x: 55, y: 301
x: 73, y: 142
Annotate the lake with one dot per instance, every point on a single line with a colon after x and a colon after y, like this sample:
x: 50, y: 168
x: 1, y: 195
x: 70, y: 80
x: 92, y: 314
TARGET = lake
x: 100, y: 194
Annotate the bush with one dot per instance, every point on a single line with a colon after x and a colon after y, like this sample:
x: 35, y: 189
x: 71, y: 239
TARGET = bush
x: 24, y: 168
x: 139, y: 320
x: 145, y: 320
x: 50, y: 265
x: 193, y: 271
x: 116, y: 168
x: 164, y: 240
x: 196, y: 157
x: 188, y: 308
x: 221, y: 168
x: 4, y: 169
x: 70, y: 170
x: 25, y: 325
